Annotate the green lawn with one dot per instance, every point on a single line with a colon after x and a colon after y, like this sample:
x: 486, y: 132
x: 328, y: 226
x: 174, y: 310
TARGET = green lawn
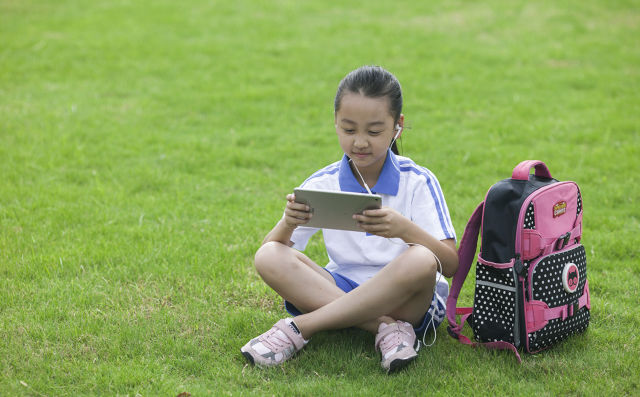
x: 146, y: 148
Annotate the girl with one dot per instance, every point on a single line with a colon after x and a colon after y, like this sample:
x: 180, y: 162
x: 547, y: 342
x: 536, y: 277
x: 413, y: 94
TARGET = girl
x: 390, y: 288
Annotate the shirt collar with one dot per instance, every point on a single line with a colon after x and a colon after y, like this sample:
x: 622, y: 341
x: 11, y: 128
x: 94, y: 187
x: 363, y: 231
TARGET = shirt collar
x: 387, y: 183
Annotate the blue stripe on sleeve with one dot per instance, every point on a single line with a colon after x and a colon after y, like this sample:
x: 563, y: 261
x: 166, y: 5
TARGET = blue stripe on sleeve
x: 443, y: 203
x: 436, y: 194
x: 328, y: 170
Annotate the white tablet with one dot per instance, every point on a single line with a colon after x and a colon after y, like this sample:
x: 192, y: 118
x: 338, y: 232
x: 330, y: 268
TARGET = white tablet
x: 335, y: 209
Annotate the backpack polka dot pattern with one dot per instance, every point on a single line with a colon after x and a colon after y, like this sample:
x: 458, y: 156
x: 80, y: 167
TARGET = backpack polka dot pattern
x: 546, y: 286
x: 494, y: 304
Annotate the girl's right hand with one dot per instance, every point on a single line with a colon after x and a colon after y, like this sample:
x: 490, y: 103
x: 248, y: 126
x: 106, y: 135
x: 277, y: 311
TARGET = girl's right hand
x: 296, y: 214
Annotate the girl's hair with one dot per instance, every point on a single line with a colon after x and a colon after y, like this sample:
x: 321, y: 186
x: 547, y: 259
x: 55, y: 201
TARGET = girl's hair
x: 373, y: 82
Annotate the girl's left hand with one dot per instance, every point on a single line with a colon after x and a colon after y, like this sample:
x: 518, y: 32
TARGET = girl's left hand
x: 383, y: 222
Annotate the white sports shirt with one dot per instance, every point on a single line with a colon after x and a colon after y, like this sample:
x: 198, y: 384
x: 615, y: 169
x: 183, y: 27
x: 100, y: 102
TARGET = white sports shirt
x: 408, y: 188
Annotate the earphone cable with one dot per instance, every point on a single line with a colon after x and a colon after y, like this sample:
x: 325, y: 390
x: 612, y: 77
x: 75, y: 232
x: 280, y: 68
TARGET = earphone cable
x: 360, y: 175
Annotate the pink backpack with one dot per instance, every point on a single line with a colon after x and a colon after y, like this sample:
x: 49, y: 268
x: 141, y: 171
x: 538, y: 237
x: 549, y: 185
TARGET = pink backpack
x: 531, y: 288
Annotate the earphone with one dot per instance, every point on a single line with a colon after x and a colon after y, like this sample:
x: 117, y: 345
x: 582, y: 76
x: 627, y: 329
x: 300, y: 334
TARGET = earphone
x: 399, y: 129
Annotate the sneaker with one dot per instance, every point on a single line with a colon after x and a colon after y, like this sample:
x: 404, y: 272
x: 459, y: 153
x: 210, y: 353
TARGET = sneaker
x: 275, y: 346
x: 397, y: 344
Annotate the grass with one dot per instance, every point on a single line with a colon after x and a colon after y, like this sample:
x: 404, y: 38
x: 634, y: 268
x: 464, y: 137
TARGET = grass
x: 146, y: 147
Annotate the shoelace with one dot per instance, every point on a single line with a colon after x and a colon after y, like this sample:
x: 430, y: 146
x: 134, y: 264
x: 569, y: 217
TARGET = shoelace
x: 275, y: 342
x: 391, y: 341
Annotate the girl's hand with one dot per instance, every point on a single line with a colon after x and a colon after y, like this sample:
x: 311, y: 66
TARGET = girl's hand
x: 383, y: 222
x: 296, y: 214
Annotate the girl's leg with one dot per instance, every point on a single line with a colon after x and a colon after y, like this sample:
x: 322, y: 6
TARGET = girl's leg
x: 302, y: 282
x: 401, y: 290
x: 295, y: 277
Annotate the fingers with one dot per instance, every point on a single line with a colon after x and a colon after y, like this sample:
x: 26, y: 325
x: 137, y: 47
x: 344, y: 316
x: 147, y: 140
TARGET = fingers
x: 378, y: 221
x: 292, y: 205
x: 365, y: 220
x: 373, y: 224
x: 370, y: 221
x: 380, y: 212
x: 296, y: 213
x: 379, y: 229
x: 372, y: 217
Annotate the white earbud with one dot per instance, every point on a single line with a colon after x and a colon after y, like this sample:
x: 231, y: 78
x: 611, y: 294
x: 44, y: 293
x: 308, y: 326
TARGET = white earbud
x: 399, y: 129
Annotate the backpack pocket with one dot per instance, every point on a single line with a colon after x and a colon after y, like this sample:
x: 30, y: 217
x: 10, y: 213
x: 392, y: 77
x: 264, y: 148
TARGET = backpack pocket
x: 558, y: 301
x: 495, y: 310
x: 552, y: 220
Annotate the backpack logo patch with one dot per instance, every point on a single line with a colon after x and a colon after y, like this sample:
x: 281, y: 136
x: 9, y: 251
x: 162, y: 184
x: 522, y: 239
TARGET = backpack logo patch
x: 559, y: 208
x: 570, y: 277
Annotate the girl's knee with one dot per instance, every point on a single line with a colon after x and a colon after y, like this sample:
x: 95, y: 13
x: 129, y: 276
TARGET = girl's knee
x: 267, y: 254
x: 273, y: 259
x: 424, y: 265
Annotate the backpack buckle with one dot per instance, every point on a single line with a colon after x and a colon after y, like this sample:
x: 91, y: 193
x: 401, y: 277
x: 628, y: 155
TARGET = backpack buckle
x: 518, y: 266
x: 453, y: 334
x: 575, y: 307
x: 563, y: 240
x: 571, y: 309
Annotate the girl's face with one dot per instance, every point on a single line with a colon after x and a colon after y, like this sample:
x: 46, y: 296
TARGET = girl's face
x: 365, y: 130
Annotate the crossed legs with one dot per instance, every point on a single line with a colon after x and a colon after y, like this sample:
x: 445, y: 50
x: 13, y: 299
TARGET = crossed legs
x: 402, y: 290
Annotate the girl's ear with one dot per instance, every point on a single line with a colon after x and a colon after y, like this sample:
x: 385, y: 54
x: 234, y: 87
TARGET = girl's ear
x: 400, y: 126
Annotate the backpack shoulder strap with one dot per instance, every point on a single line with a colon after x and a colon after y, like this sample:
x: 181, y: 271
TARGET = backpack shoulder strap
x: 466, y: 252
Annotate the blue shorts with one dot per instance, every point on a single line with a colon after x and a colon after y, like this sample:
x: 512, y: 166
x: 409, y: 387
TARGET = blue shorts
x: 435, y: 311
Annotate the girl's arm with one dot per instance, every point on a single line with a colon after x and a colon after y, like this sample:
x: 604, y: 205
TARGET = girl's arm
x: 445, y: 250
x: 387, y: 222
x: 295, y: 214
